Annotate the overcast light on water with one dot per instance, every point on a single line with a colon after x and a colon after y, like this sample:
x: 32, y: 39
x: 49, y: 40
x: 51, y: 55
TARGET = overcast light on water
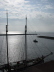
x: 16, y: 47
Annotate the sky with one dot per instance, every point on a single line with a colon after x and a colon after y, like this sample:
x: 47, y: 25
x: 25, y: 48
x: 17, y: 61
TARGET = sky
x: 40, y: 15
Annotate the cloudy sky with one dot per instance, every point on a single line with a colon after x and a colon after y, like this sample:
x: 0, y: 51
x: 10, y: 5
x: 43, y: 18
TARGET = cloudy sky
x: 40, y: 15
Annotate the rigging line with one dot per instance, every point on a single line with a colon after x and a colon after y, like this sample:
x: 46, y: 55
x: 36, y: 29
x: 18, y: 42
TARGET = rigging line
x: 2, y: 42
x: 22, y: 44
x: 39, y: 49
x: 31, y: 27
x: 33, y: 46
x: 34, y: 26
x: 22, y: 50
x: 35, y: 51
x: 27, y: 30
x: 30, y: 31
x: 46, y: 47
x: 49, y: 51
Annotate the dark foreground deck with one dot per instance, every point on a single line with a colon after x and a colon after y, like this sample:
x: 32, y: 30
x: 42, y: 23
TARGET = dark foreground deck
x: 46, y: 67
x: 33, y: 65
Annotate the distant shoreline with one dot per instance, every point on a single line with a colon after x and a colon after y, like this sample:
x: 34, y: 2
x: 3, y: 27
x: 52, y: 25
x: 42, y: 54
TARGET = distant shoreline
x: 46, y: 37
x: 16, y: 34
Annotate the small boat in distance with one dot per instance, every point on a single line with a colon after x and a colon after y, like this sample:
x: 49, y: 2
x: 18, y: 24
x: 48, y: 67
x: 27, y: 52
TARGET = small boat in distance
x: 35, y: 41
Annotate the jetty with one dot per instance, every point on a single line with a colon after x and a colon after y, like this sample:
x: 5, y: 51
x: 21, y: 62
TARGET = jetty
x: 46, y: 37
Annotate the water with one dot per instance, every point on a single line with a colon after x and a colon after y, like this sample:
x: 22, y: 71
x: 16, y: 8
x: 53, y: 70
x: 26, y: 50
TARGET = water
x: 16, y: 47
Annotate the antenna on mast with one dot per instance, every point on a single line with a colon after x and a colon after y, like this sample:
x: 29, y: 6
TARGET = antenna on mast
x: 7, y: 19
x: 26, y: 23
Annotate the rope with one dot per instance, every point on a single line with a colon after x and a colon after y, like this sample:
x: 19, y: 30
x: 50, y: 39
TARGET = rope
x: 39, y: 49
x: 32, y: 37
x: 33, y: 46
x: 46, y: 47
x: 21, y: 48
x: 2, y: 42
x: 31, y: 27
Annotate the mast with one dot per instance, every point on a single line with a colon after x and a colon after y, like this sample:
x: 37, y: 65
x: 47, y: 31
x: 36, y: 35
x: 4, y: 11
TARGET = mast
x: 7, y: 37
x: 26, y: 40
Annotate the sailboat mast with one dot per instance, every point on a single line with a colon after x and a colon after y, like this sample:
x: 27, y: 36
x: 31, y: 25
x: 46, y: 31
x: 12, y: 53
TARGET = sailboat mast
x: 26, y: 40
x: 7, y: 37
x: 26, y: 24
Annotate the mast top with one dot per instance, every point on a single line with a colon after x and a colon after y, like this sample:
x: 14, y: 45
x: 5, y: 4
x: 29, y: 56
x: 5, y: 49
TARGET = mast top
x: 7, y: 16
x: 7, y: 20
x: 26, y: 24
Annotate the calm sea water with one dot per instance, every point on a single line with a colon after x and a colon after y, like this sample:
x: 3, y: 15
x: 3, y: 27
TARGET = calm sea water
x: 16, y: 47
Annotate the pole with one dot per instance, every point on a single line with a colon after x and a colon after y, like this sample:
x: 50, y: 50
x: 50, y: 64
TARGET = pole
x: 7, y: 45
x: 8, y: 67
x: 7, y: 37
x: 26, y: 24
x: 26, y: 40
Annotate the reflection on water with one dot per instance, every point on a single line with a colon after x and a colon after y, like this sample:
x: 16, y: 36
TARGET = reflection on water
x: 14, y: 32
x: 16, y: 47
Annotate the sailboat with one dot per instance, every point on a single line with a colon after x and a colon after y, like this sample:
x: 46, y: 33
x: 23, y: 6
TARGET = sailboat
x: 9, y: 67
